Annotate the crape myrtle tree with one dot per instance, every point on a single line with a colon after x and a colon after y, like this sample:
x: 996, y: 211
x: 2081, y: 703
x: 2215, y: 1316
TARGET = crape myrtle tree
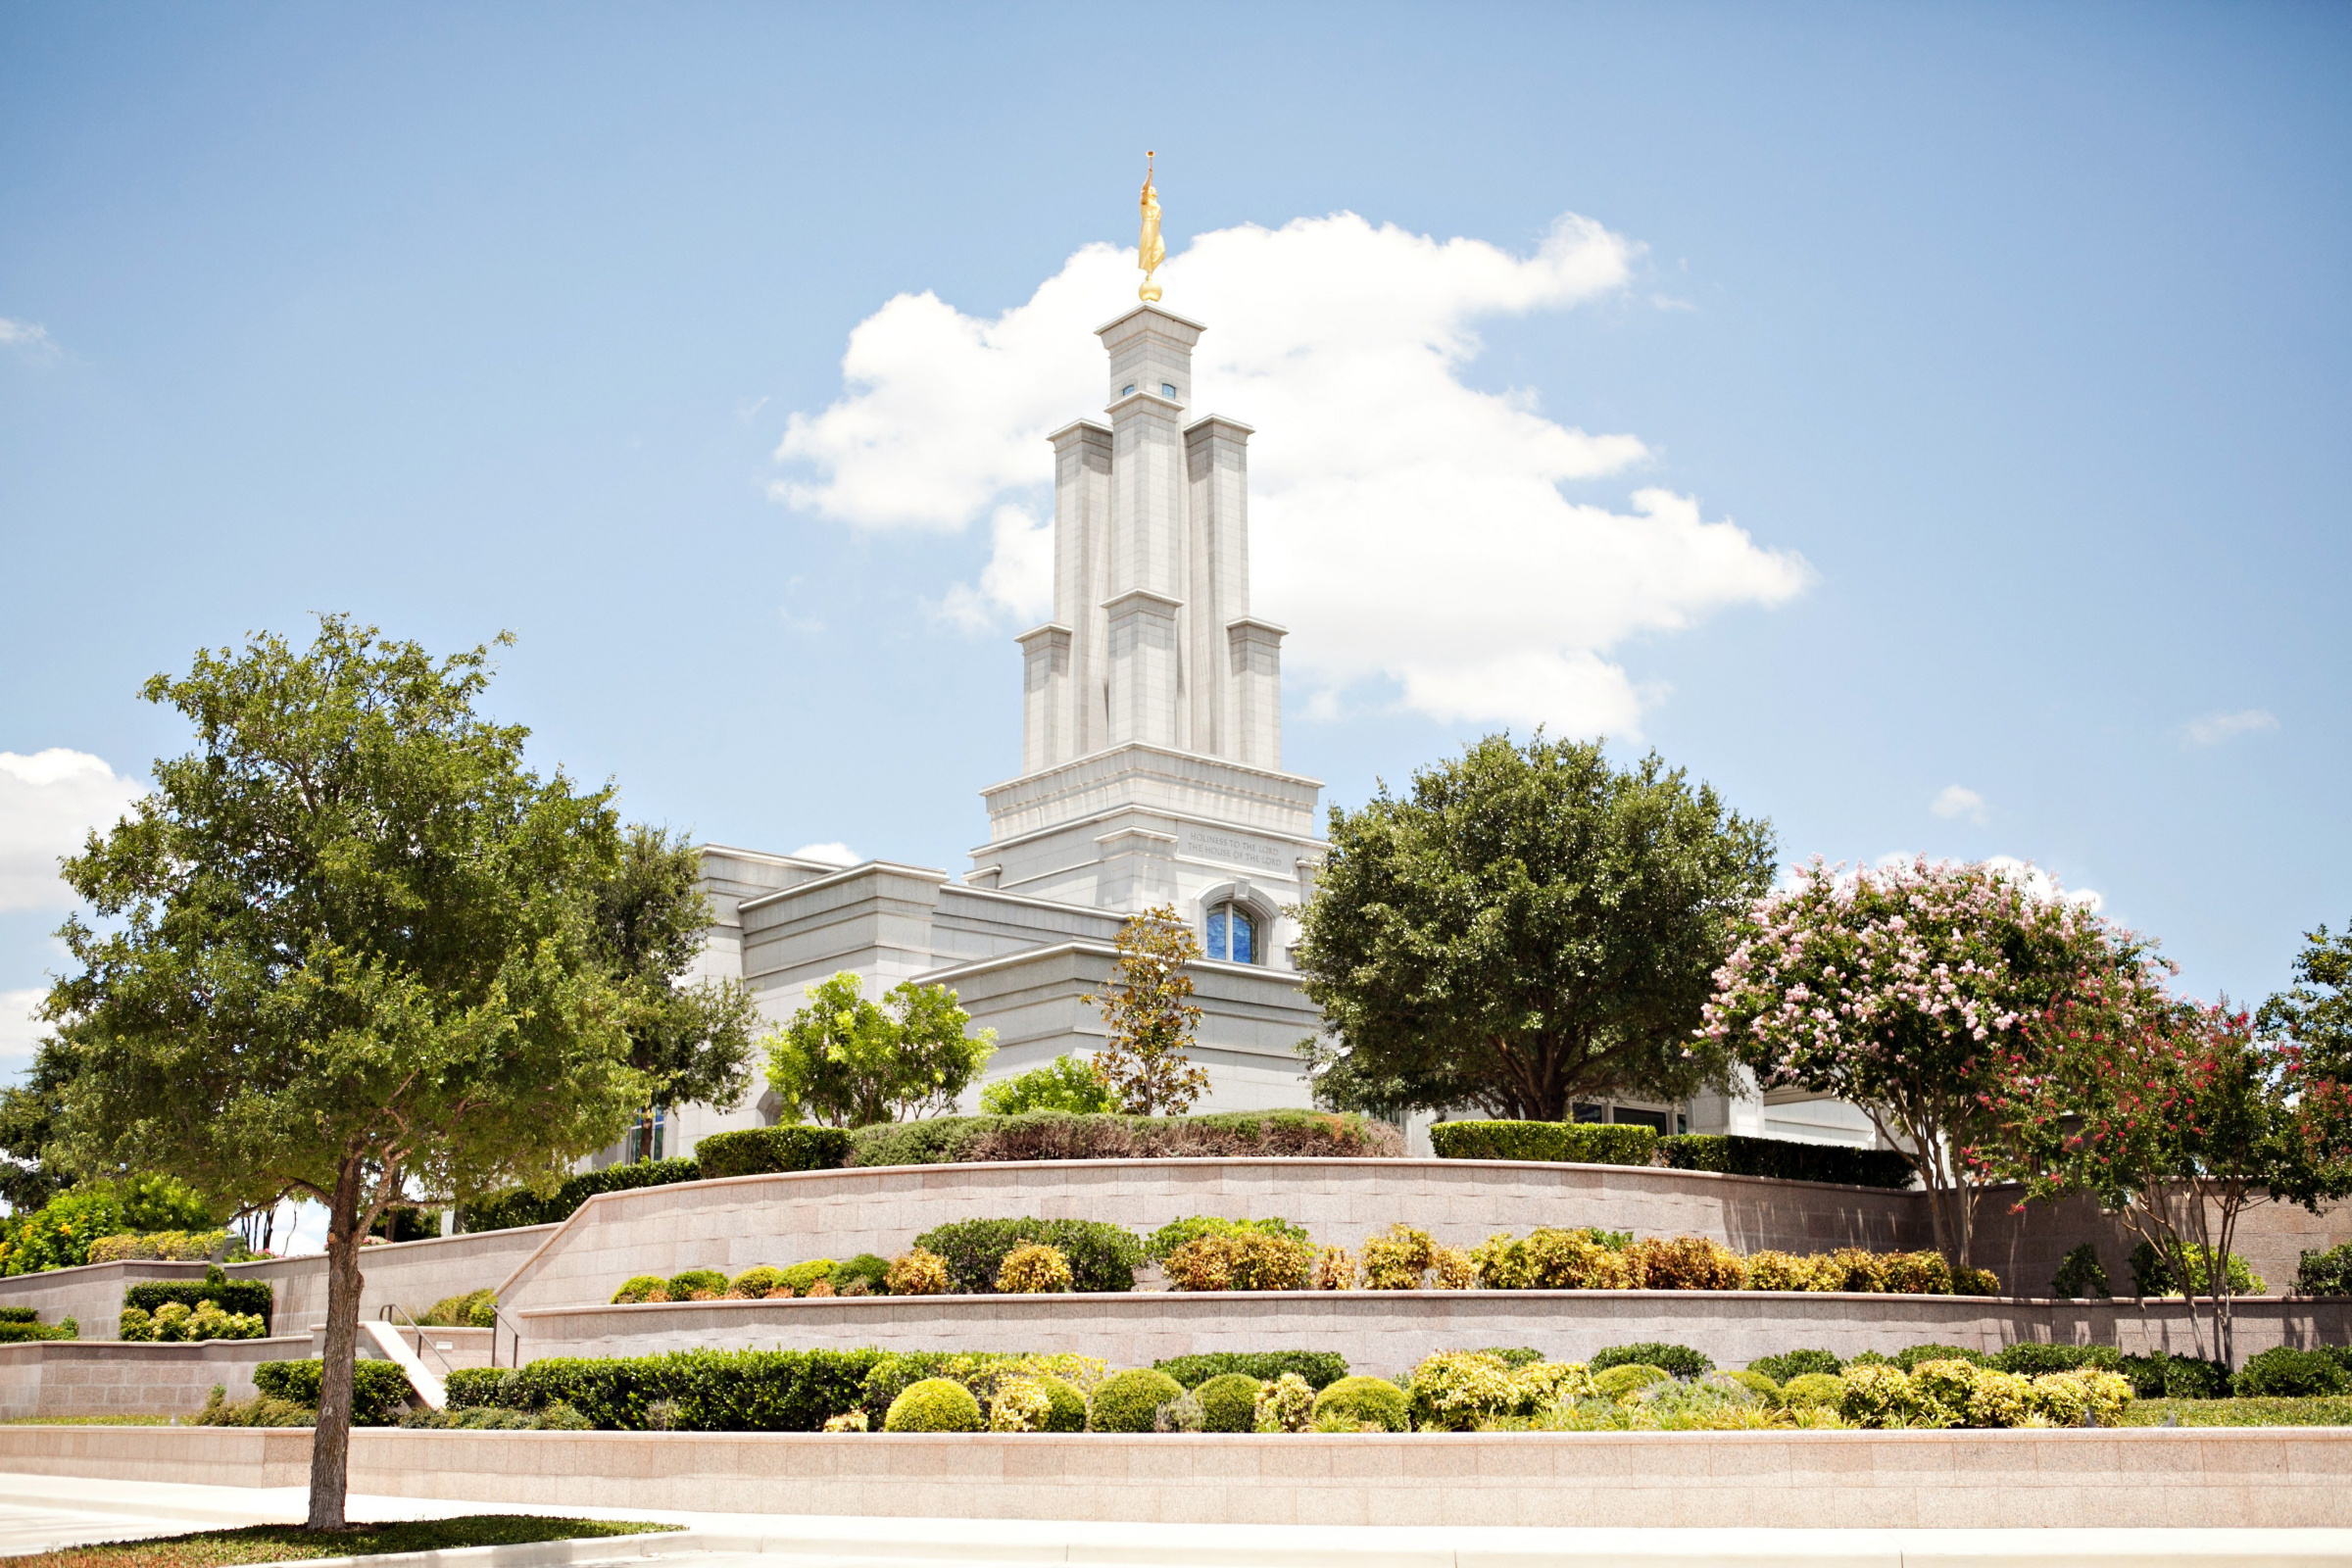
x: 692, y: 1043
x: 2176, y: 1117
x: 1148, y: 1018
x: 847, y: 1061
x: 1899, y: 989
x: 1526, y: 926
x: 350, y: 955
x: 2312, y: 1020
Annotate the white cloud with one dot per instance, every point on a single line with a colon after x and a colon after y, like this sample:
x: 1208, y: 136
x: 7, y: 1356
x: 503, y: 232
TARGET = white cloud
x: 32, y: 342
x: 20, y: 1032
x: 1404, y: 524
x: 1958, y: 800
x: 2213, y: 728
x: 831, y: 853
x: 48, y: 801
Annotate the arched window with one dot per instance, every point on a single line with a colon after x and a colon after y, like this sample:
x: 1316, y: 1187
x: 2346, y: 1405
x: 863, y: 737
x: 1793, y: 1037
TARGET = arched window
x: 1231, y: 933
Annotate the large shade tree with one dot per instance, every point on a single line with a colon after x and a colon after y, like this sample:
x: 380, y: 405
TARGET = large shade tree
x: 1526, y: 926
x: 348, y: 954
x: 692, y: 1043
x: 1908, y: 990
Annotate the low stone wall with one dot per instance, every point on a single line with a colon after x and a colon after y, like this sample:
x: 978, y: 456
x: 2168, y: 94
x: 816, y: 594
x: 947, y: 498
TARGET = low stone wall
x: 1387, y: 1331
x: 91, y: 1295
x: 439, y: 1349
x: 75, y: 1377
x: 745, y: 1220
x: 2149, y: 1477
x: 2024, y: 1249
x: 412, y: 1275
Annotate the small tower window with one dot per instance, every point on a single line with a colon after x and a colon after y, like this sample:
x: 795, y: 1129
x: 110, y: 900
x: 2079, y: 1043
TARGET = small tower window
x: 1167, y: 389
x: 1232, y: 934
x: 1128, y: 390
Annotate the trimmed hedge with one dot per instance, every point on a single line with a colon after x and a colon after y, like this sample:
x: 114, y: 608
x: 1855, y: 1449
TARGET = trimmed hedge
x: 1784, y: 1159
x: 1127, y: 1402
x: 2165, y: 1375
x: 765, y: 1150
x: 19, y: 1314
x: 935, y: 1405
x: 1678, y: 1361
x: 18, y: 1330
x: 710, y: 1390
x: 1064, y: 1135
x: 230, y: 1295
x: 2284, y: 1372
x: 1228, y: 1402
x: 523, y: 1206
x: 380, y: 1390
x: 1103, y: 1258
x: 1374, y: 1402
x: 1559, y: 1142
x: 1320, y: 1368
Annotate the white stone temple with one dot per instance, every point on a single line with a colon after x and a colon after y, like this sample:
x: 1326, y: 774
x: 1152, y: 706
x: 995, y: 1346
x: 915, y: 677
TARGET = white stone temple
x: 1151, y: 774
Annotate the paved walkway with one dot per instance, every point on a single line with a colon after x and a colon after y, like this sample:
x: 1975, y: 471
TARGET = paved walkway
x: 42, y: 1513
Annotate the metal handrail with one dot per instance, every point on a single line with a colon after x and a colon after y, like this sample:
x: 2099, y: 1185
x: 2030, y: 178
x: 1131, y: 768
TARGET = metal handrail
x: 423, y: 1345
x: 497, y: 1315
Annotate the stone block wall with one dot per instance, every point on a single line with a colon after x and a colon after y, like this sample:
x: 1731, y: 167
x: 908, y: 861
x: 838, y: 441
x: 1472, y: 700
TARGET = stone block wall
x: 779, y: 1219
x: 91, y: 1295
x: 1387, y: 1331
x: 412, y: 1275
x: 73, y: 1377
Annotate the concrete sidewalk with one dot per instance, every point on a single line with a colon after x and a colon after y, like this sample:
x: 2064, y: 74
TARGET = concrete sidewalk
x: 42, y: 1513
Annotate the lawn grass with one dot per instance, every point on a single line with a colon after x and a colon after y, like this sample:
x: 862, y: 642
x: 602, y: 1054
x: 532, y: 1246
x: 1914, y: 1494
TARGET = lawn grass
x: 2321, y: 1411
x: 222, y: 1549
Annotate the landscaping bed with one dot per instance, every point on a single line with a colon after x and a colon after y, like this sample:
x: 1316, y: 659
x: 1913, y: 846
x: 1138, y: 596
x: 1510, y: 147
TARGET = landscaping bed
x: 257, y: 1544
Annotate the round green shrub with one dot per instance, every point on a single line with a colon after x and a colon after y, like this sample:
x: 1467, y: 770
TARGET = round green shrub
x: 1755, y: 1383
x: 698, y: 1285
x: 641, y: 1288
x: 1068, y: 1411
x: 1366, y: 1400
x: 1814, y: 1389
x: 1229, y: 1403
x: 2284, y: 1372
x: 1796, y: 1363
x: 1626, y: 1378
x: 935, y: 1405
x: 1678, y: 1361
x: 1127, y: 1401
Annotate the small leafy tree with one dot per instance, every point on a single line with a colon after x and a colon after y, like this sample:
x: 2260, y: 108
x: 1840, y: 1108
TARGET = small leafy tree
x: 1143, y: 1065
x: 30, y: 1170
x: 847, y: 1061
x: 2176, y: 1118
x: 692, y: 1043
x: 1526, y: 927
x: 350, y: 955
x: 1898, y: 989
x: 1067, y: 1083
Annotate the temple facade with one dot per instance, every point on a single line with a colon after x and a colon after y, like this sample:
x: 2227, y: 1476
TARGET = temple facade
x: 1151, y: 774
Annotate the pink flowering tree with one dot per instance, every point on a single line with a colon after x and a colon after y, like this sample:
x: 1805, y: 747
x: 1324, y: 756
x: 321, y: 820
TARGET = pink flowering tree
x: 2176, y: 1117
x: 1898, y: 989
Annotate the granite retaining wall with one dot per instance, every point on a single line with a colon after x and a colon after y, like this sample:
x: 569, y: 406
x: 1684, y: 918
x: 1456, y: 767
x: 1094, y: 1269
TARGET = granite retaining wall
x: 75, y: 1377
x: 2145, y: 1477
x: 1387, y: 1332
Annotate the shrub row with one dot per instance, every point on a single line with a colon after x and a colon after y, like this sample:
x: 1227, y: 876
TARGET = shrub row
x: 523, y: 1206
x: 1318, y: 1369
x: 1101, y: 1258
x: 2157, y: 1376
x: 1574, y: 1143
x: 16, y: 1331
x: 1063, y: 1135
x: 2328, y: 1273
x: 687, y: 1391
x: 179, y: 1247
x: 766, y: 1151
x: 19, y: 1314
x: 175, y: 1323
x: 473, y: 1309
x: 239, y: 1296
x: 1784, y: 1159
x: 863, y: 1275
x: 378, y: 1389
x: 1606, y: 1260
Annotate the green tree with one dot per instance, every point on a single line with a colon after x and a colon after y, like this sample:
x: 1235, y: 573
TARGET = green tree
x: 30, y: 1173
x: 2315, y: 1014
x: 349, y: 953
x: 1150, y: 1018
x: 692, y: 1043
x: 1526, y: 927
x: 1067, y: 1083
x: 847, y: 1061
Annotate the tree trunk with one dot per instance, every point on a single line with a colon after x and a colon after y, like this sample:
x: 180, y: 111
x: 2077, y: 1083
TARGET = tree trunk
x: 330, y: 1441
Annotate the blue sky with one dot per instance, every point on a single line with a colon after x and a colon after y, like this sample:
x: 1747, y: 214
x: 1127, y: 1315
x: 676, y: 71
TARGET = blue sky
x: 2003, y: 348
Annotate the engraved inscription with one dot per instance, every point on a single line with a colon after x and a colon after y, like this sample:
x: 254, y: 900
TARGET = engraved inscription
x: 1232, y: 848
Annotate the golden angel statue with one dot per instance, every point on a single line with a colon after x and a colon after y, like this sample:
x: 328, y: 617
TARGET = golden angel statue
x: 1149, y: 251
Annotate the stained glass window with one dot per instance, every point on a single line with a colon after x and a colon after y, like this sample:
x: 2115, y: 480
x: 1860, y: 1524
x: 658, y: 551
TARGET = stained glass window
x: 1232, y: 935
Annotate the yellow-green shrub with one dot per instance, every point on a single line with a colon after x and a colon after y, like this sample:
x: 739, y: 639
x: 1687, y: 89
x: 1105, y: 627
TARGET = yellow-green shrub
x: 918, y: 1273
x: 1880, y: 1396
x: 1335, y: 1269
x: 1127, y: 1402
x: 1246, y: 1262
x: 641, y: 1288
x: 1367, y: 1401
x: 1034, y: 1270
x: 1229, y: 1403
x: 2066, y: 1398
x: 1686, y: 1263
x: 1550, y: 1260
x: 1395, y: 1259
x: 1814, y: 1390
x: 1286, y: 1405
x: 935, y: 1405
x: 756, y: 1283
x: 1623, y: 1382
x: 1019, y: 1404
